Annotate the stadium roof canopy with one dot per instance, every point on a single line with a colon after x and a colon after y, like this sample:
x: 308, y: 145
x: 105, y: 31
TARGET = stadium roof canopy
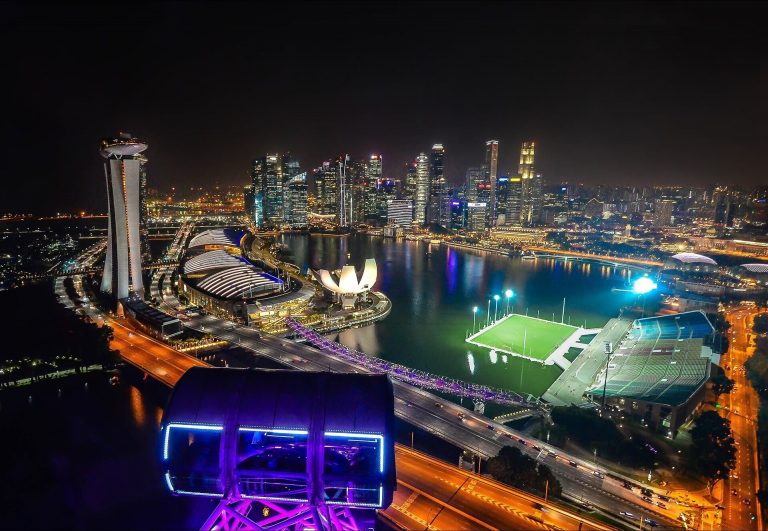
x: 228, y: 237
x: 226, y: 276
x: 212, y: 260
x: 755, y: 268
x: 660, y: 360
x: 693, y: 258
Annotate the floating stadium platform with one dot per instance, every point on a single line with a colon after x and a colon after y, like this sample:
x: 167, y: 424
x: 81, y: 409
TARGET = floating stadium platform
x: 531, y: 338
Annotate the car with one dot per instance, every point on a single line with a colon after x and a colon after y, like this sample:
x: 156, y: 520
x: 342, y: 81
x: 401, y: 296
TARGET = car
x: 573, y: 464
x: 507, y: 434
x: 522, y: 441
x: 647, y: 499
x: 720, y: 507
x: 535, y: 447
x: 628, y: 515
x: 646, y: 492
x: 552, y: 454
x: 490, y: 427
x: 598, y: 474
x: 746, y: 501
x: 662, y: 505
x: 663, y: 498
x: 463, y: 417
x: 627, y: 486
x: 438, y: 404
x: 734, y: 492
x: 652, y: 523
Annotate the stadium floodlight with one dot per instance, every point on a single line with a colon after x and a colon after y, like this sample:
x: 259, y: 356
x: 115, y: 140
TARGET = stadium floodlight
x: 474, y: 318
x: 644, y: 285
x: 496, y: 308
x: 508, y: 294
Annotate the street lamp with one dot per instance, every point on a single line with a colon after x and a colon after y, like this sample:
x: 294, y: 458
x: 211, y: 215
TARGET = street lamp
x: 488, y: 315
x: 508, y: 294
x: 496, y: 309
x: 474, y: 318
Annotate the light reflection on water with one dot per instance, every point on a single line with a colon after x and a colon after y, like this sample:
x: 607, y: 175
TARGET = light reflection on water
x: 433, y: 295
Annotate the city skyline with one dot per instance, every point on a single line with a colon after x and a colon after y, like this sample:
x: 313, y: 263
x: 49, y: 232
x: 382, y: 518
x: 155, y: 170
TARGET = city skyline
x: 596, y: 104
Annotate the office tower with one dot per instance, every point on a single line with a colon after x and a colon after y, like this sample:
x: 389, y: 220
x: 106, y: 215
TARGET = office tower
x: 400, y: 212
x: 357, y: 170
x: 257, y: 189
x: 296, y: 201
x: 475, y: 179
x: 374, y: 173
x: 386, y: 192
x: 290, y: 169
x: 410, y: 181
x: 344, y: 197
x: 122, y: 168
x: 267, y: 176
x: 422, y: 189
x: 532, y: 187
x: 490, y: 168
x: 326, y: 189
x: 502, y: 197
x: 721, y: 203
x: 249, y: 202
x: 514, y: 198
x: 662, y: 215
x: 435, y: 206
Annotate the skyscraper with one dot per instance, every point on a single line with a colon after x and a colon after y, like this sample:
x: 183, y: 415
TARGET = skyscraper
x: 374, y: 173
x: 532, y: 190
x: 435, y: 206
x: 514, y: 196
x: 490, y: 168
x: 326, y: 188
x: 662, y: 215
x: 122, y: 168
x: 410, y: 181
x: 422, y: 189
x: 296, y: 201
x: 267, y: 176
x: 290, y: 169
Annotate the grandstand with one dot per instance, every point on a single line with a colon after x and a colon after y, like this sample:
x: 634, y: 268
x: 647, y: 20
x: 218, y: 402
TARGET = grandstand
x: 658, y: 370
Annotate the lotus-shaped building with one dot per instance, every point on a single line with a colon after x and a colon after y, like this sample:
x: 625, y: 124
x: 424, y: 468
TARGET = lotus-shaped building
x: 345, y: 283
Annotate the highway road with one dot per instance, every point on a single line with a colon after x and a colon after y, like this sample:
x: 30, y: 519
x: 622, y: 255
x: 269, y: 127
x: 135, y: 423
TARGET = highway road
x: 431, y: 494
x: 741, y: 409
x: 441, y: 418
x: 448, y: 497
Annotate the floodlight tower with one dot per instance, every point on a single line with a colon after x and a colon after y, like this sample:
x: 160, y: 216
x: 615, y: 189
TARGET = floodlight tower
x: 122, y: 267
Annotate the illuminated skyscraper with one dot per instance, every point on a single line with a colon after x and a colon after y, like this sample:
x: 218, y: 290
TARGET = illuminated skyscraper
x: 326, y: 188
x: 373, y: 174
x: 296, y: 201
x: 532, y: 191
x: 514, y: 197
x: 490, y: 169
x: 662, y: 214
x: 146, y: 254
x: 422, y: 189
x: 122, y: 168
x: 435, y: 207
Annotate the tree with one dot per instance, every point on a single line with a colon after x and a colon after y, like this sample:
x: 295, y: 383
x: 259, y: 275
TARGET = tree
x: 510, y: 466
x: 760, y: 325
x: 712, y: 453
x: 721, y: 384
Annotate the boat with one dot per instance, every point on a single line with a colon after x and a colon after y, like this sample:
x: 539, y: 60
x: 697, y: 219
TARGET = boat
x: 435, y: 241
x: 529, y: 256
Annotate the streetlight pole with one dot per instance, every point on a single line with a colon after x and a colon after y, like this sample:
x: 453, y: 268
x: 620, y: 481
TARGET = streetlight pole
x: 496, y: 308
x: 487, y: 316
x: 509, y: 293
x: 474, y: 319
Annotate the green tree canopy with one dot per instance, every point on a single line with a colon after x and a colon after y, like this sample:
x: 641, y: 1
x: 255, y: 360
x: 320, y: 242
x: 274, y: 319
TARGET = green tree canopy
x: 510, y: 466
x: 712, y: 453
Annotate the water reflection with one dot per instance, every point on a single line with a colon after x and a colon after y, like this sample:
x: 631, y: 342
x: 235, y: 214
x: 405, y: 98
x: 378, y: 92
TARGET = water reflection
x: 433, y: 296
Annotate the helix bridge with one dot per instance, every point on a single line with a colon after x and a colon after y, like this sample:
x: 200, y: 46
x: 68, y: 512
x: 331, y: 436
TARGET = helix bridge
x: 422, y: 379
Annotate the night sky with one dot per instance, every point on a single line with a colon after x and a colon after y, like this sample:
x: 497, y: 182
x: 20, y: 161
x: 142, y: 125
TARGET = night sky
x: 625, y: 93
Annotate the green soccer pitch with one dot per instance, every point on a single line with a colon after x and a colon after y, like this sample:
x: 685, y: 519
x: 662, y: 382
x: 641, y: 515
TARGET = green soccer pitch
x: 541, y: 337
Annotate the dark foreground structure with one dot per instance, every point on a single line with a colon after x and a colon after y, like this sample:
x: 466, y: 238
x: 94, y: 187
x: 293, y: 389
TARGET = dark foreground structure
x: 281, y: 449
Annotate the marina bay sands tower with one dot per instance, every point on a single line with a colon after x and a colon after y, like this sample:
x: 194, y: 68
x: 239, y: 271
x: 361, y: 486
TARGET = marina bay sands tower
x: 122, y: 267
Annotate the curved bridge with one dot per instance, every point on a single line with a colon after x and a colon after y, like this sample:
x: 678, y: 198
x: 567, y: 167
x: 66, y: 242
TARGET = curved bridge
x: 415, y: 377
